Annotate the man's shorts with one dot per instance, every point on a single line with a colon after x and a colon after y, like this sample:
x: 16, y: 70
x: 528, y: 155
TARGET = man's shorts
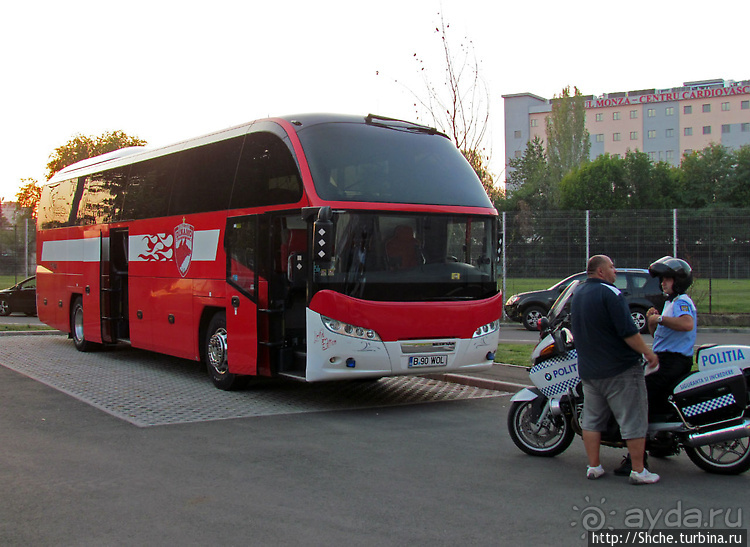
x: 624, y: 396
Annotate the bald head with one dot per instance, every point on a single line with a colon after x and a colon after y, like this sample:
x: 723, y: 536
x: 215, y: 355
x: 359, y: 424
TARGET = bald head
x: 602, y: 267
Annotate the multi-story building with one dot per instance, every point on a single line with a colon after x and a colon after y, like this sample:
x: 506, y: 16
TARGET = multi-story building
x: 664, y: 123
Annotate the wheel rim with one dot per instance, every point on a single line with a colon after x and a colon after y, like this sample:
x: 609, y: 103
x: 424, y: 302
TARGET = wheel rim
x: 543, y: 437
x: 4, y: 307
x: 726, y: 454
x: 78, y: 324
x: 217, y: 351
x: 533, y: 317
x: 639, y: 319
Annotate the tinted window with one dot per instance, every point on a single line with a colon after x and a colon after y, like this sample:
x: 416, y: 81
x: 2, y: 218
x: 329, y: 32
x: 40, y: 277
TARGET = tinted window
x: 148, y: 188
x: 56, y: 204
x: 267, y: 174
x: 103, y: 197
x: 204, y: 177
x: 359, y: 162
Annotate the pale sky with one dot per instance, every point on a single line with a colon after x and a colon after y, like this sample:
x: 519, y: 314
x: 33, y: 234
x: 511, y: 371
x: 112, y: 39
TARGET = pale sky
x: 167, y: 70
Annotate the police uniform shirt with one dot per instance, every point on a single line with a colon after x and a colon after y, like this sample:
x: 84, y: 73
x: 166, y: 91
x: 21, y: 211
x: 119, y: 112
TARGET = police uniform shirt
x: 666, y: 339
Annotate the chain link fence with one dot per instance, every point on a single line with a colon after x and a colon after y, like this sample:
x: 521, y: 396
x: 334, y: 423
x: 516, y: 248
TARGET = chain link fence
x: 17, y: 251
x: 716, y: 243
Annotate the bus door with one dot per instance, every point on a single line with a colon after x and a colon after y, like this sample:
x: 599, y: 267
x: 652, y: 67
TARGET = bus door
x: 266, y: 308
x: 114, y: 286
x: 241, y: 240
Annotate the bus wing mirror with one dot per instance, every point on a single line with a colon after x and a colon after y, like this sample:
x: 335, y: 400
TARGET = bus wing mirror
x: 323, y: 237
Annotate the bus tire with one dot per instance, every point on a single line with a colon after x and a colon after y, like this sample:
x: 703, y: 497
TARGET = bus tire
x: 216, y: 355
x: 76, y: 327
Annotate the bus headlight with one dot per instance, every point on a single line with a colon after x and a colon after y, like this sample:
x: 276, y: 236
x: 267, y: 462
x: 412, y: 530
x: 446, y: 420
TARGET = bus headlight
x: 487, y: 329
x: 346, y: 329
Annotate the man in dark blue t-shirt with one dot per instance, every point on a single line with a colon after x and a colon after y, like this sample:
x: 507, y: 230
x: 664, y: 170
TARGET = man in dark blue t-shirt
x: 609, y: 350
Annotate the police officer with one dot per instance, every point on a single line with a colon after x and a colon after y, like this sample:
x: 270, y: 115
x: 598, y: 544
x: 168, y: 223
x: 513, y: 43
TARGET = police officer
x: 674, y: 331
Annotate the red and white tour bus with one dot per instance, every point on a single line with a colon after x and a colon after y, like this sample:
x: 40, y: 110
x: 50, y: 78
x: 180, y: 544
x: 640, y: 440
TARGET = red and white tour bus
x: 317, y: 247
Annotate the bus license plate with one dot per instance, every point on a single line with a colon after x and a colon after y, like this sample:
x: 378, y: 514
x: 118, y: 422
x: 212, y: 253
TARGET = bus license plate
x: 428, y: 361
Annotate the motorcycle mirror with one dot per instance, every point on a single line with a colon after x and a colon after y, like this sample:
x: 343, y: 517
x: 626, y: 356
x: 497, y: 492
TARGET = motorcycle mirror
x: 543, y: 324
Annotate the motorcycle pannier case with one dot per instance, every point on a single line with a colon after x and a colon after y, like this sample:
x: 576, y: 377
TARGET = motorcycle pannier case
x: 712, y: 396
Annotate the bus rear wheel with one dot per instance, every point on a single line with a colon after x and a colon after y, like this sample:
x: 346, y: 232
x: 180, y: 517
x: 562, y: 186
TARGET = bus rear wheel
x: 76, y: 327
x: 216, y: 355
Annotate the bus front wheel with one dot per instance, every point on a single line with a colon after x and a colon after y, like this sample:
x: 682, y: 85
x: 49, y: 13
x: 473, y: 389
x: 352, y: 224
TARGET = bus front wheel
x: 216, y: 355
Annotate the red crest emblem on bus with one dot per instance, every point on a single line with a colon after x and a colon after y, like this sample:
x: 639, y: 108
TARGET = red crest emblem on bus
x: 183, y: 246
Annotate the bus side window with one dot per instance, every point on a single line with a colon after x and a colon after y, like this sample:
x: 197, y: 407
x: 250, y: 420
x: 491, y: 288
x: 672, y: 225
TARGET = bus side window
x: 148, y: 188
x: 102, y: 197
x: 267, y: 173
x: 204, y: 177
x: 56, y: 204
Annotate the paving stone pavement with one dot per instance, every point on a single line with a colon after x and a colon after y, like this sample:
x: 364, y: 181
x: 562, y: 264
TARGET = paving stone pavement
x: 148, y: 389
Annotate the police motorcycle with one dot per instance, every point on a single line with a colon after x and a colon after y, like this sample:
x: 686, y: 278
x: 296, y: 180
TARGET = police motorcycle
x: 709, y: 418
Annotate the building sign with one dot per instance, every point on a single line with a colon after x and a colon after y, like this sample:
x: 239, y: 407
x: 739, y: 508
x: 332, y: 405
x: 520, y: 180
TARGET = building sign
x: 672, y: 96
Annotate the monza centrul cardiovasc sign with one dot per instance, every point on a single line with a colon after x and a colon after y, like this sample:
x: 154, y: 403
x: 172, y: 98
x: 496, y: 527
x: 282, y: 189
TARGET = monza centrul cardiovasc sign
x: 315, y: 247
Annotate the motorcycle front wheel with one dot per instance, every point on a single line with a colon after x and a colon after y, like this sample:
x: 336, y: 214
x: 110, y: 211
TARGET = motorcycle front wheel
x: 726, y: 458
x: 548, y: 437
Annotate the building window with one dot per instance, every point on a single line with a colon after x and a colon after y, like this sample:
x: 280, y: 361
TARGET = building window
x: 616, y: 115
x: 688, y: 131
x: 707, y: 107
x: 745, y: 128
x: 600, y: 137
x: 517, y: 134
x: 652, y: 156
x: 726, y: 128
x: 600, y: 117
x: 670, y: 155
x: 633, y: 114
x: 745, y: 105
x: 634, y: 135
x: 652, y: 133
x: 651, y: 112
x: 518, y: 153
x: 615, y: 136
x: 724, y: 107
x: 706, y: 129
x: 534, y: 123
x: 670, y: 133
x: 616, y: 156
x: 687, y: 109
x: 688, y: 151
x: 669, y: 111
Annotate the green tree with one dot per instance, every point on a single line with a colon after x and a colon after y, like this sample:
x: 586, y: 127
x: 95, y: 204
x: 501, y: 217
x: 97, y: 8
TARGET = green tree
x: 81, y: 147
x: 735, y: 190
x: 528, y: 180
x: 568, y: 142
x: 704, y: 176
x: 599, y: 184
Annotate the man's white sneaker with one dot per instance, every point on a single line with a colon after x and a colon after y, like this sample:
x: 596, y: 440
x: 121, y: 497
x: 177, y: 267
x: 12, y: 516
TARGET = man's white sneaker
x: 594, y: 472
x: 644, y: 477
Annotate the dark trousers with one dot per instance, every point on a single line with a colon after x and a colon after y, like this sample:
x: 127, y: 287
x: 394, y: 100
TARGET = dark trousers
x: 673, y: 367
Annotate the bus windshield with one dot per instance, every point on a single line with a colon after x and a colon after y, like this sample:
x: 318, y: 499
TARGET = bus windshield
x: 408, y: 257
x: 382, y: 164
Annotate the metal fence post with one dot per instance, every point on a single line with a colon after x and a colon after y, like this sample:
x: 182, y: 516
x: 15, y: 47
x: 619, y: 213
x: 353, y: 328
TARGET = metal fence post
x: 588, y: 237
x: 674, y: 233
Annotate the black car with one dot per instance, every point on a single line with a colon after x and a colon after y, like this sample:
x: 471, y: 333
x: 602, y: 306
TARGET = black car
x: 20, y: 297
x: 640, y: 290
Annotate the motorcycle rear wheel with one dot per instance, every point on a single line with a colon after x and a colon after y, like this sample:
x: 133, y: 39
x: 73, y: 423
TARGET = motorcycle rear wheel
x: 552, y: 437
x: 726, y: 458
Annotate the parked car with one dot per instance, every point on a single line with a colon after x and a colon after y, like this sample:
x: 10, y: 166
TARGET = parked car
x: 20, y: 297
x: 640, y: 290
